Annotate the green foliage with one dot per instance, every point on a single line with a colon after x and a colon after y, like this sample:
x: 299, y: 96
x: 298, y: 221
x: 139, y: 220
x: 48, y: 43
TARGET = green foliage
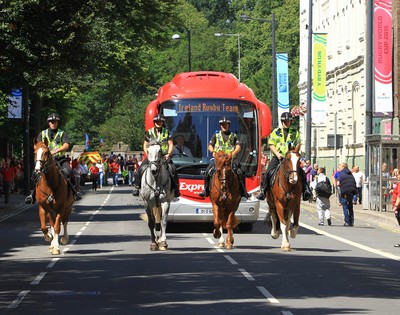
x: 98, y: 62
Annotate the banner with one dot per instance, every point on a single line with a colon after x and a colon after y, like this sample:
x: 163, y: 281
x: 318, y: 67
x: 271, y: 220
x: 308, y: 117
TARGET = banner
x: 318, y: 114
x: 15, y: 104
x: 383, y: 56
x: 87, y: 143
x: 282, y: 79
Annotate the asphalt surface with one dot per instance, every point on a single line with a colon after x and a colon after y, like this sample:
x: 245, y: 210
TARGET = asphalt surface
x: 384, y: 219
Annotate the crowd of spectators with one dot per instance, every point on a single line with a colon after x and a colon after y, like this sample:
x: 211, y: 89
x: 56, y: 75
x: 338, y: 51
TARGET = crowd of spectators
x: 11, y: 177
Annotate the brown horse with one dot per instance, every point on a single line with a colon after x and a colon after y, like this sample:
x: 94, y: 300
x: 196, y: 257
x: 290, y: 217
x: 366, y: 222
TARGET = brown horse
x: 53, y: 196
x: 284, y: 198
x: 225, y: 197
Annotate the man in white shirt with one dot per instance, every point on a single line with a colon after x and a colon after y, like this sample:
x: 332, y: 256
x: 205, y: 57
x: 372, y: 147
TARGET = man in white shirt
x: 322, y: 202
x: 359, y: 178
x: 179, y: 148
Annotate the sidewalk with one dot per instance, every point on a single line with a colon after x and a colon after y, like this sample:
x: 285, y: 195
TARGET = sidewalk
x: 16, y: 202
x: 384, y: 219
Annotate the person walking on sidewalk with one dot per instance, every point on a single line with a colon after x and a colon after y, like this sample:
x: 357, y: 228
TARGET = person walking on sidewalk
x: 347, y: 186
x: 7, y: 174
x: 323, y: 188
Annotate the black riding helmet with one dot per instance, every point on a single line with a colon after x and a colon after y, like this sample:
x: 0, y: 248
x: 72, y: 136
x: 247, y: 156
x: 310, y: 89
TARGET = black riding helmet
x: 224, y: 120
x: 286, y: 116
x: 53, y: 116
x: 158, y: 117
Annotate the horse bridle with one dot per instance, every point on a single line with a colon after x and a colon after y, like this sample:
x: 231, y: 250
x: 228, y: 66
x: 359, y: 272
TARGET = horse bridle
x: 286, y: 174
x: 157, y: 191
x: 45, y: 166
x: 222, y: 179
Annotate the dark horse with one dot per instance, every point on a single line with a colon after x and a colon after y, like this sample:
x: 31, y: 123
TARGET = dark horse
x: 225, y: 197
x: 284, y: 198
x: 53, y: 196
x: 157, y: 195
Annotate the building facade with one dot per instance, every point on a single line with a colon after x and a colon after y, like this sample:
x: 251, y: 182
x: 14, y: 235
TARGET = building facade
x: 345, y: 23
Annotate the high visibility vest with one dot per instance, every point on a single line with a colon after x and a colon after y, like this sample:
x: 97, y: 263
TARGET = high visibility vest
x: 54, y: 143
x: 161, y: 137
x: 228, y: 146
x: 277, y: 138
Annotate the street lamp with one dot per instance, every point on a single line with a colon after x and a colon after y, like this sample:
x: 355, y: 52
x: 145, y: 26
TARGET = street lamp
x: 238, y: 37
x: 274, y: 100
x: 177, y: 37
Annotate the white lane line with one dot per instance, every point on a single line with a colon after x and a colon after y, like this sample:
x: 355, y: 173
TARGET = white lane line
x: 268, y: 295
x: 219, y: 249
x: 246, y: 275
x: 230, y: 259
x: 53, y: 262
x: 18, y: 300
x: 287, y: 313
x: 83, y: 228
x: 343, y: 240
x: 210, y: 240
x: 39, y: 278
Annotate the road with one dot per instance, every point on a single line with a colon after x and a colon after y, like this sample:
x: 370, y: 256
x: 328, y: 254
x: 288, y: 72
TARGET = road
x: 108, y: 268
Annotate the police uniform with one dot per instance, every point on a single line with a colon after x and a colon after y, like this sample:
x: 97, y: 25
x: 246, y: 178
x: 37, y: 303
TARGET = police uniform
x: 283, y: 139
x: 226, y: 142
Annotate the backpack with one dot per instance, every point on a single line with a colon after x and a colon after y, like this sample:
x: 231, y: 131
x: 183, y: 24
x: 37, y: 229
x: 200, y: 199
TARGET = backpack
x: 324, y: 188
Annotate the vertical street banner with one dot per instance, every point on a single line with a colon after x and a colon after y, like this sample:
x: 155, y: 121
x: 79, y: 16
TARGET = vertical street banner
x: 318, y: 114
x: 383, y: 63
x: 282, y: 76
x: 15, y: 104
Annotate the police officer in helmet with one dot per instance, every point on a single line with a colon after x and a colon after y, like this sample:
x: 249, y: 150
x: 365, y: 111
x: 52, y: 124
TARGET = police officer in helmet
x: 58, y: 143
x: 279, y: 142
x: 160, y: 134
x: 227, y: 141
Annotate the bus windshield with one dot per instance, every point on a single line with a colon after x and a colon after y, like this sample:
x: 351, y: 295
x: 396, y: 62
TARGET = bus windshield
x: 196, y: 120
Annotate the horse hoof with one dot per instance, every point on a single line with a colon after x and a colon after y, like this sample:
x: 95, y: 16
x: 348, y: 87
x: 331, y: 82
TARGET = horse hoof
x: 229, y: 246
x: 163, y: 246
x: 56, y: 251
x: 286, y: 248
x: 64, y: 240
x: 48, y: 238
x: 221, y: 245
x: 153, y: 246
x: 275, y: 236
x: 217, y: 233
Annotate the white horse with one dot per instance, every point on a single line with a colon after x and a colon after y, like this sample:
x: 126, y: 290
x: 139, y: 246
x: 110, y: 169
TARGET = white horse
x: 157, y: 193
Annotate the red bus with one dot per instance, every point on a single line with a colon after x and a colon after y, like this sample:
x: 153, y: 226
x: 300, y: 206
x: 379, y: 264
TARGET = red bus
x: 192, y: 104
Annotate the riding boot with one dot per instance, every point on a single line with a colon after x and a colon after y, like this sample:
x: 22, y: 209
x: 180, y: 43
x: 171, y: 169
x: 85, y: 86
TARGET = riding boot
x: 263, y: 188
x: 77, y: 195
x: 306, y: 190
x: 31, y: 199
x: 242, y: 185
x: 136, y: 187
x: 206, y: 191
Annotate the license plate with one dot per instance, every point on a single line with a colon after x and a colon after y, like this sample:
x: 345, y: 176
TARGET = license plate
x: 204, y: 211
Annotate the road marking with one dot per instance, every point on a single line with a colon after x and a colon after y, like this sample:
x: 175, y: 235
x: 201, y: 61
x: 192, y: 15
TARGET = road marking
x: 231, y: 260
x: 53, y: 262
x: 268, y: 295
x: 210, y: 240
x: 246, y: 275
x: 287, y: 313
x: 343, y: 240
x: 39, y: 278
x: 18, y: 300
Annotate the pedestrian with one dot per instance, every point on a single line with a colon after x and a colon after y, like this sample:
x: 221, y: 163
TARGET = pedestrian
x: 94, y: 176
x: 359, y: 178
x: 162, y: 135
x: 85, y: 171
x: 347, y: 186
x: 323, y: 188
x: 100, y: 166
x: 279, y: 142
x: 7, y: 174
x: 396, y: 203
x: 226, y: 141
x: 114, y: 167
x: 130, y: 168
x: 77, y: 170
x: 58, y: 143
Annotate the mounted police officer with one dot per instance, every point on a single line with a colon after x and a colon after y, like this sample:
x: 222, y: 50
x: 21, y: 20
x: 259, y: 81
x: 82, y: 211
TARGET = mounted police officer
x: 281, y: 139
x: 58, y: 143
x: 160, y: 134
x: 226, y: 141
